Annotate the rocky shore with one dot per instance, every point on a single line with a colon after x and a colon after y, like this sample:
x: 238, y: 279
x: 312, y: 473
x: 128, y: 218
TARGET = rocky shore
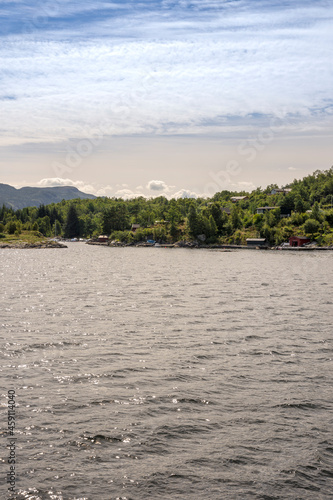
x: 200, y: 245
x: 24, y: 245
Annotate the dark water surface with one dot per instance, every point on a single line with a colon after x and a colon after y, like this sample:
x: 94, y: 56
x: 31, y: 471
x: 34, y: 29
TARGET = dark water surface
x: 168, y: 374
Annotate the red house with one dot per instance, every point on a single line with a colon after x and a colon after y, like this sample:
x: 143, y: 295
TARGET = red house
x: 298, y: 241
x: 103, y: 239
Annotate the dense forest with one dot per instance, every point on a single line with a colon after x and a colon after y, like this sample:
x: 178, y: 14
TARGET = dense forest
x: 304, y: 207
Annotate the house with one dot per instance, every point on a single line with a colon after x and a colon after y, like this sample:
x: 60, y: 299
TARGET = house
x: 280, y: 191
x: 135, y: 227
x: 256, y: 242
x: 298, y: 241
x: 235, y: 199
x: 262, y: 210
x: 103, y: 239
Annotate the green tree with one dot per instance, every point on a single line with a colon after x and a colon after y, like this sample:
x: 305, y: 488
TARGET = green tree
x: 173, y: 230
x: 45, y: 226
x: 216, y: 213
x: 56, y: 228
x: 212, y: 226
x: 115, y: 218
x: 193, y: 221
x: 329, y: 217
x: 11, y: 227
x: 311, y: 226
x: 299, y: 204
x: 235, y: 218
x: 72, y: 225
x: 316, y: 212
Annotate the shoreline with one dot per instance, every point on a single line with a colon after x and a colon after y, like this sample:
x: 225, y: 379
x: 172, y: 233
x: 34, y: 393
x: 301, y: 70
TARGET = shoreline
x: 39, y: 245
x: 193, y: 245
x: 187, y: 245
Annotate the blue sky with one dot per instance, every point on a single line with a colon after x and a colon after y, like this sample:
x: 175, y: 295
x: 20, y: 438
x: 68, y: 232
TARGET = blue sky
x: 112, y: 95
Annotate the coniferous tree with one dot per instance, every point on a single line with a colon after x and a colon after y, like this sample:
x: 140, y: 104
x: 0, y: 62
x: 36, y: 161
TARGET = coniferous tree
x: 316, y: 211
x: 193, y: 221
x: 72, y: 226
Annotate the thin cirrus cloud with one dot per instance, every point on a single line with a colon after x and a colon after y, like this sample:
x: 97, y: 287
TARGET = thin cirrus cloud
x: 185, y: 67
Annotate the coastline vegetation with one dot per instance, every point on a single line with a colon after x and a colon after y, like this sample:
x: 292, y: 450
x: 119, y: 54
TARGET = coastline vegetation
x: 304, y: 207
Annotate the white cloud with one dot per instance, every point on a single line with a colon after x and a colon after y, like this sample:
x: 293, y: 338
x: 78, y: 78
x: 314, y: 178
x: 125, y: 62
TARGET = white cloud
x: 157, y: 186
x: 56, y: 181
x: 104, y: 191
x: 128, y: 194
x: 185, y: 193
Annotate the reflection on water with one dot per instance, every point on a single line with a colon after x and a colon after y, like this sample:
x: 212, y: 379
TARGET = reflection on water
x: 164, y: 373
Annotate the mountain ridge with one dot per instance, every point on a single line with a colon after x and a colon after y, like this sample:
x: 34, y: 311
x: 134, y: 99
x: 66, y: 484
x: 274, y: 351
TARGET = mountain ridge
x: 28, y: 196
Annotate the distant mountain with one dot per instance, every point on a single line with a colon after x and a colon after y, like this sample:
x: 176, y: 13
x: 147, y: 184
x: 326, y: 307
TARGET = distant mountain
x: 33, y: 197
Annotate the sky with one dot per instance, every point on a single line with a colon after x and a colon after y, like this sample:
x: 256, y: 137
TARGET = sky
x: 180, y: 98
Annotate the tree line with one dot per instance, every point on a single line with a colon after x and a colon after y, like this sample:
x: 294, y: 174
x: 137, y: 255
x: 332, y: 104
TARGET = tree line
x: 306, y: 208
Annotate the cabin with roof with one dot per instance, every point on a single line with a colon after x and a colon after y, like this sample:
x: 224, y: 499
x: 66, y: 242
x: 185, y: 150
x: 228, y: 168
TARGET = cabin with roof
x: 263, y: 210
x: 280, y: 191
x: 235, y: 199
x: 135, y: 227
x: 103, y: 238
x: 298, y: 241
x: 256, y: 242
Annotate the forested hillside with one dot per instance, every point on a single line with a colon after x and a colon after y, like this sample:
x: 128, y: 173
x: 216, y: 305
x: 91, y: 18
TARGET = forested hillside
x: 34, y: 196
x: 302, y: 208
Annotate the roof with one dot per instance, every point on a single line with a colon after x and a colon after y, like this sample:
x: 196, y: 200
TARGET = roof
x: 238, y: 198
x: 266, y: 208
x: 256, y: 239
x: 282, y: 190
x: 300, y: 237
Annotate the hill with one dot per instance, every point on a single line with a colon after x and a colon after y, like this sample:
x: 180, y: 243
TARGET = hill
x: 33, y: 196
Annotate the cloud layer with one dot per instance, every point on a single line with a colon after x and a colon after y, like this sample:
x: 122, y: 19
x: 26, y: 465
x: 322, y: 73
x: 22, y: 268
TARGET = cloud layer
x: 116, y: 91
x: 115, y: 68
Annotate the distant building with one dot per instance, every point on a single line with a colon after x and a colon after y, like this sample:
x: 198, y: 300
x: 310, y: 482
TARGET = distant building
x: 280, y: 191
x: 256, y: 242
x: 235, y: 199
x: 103, y: 239
x: 262, y: 210
x: 135, y: 227
x: 298, y: 241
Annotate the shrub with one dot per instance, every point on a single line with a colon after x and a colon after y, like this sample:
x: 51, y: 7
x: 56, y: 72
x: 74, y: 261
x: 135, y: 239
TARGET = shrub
x: 328, y: 217
x: 311, y: 226
x: 11, y: 227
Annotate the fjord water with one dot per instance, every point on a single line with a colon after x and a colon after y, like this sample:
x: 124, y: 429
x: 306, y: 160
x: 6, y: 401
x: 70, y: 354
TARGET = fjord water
x: 168, y: 373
